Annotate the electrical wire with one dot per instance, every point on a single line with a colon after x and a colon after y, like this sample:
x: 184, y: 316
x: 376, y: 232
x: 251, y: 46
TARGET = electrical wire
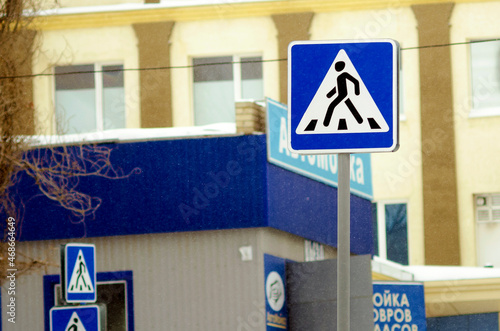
x: 136, y: 69
x: 452, y: 44
x: 220, y: 63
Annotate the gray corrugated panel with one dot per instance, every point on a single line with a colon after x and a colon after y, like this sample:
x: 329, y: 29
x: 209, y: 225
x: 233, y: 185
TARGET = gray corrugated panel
x: 186, y: 281
x: 182, y: 281
x: 28, y: 285
x: 312, y: 294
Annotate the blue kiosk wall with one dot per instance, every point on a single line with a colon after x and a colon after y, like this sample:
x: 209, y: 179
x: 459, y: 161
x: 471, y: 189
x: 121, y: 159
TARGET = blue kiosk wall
x: 197, y: 184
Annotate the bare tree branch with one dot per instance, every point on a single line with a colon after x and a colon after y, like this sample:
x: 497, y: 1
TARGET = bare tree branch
x: 55, y: 170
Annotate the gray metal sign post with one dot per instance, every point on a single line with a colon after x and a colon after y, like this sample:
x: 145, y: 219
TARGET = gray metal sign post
x: 344, y: 243
x: 368, y: 122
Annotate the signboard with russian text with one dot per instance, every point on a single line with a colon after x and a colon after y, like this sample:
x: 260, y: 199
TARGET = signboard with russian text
x: 323, y: 168
x: 399, y: 306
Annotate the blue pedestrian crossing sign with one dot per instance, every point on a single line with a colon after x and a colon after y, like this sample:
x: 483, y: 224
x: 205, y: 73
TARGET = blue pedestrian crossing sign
x: 77, y: 318
x: 79, y: 273
x: 343, y: 96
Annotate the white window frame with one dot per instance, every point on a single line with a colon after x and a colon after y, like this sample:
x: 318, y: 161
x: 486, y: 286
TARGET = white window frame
x: 99, y: 96
x: 381, y: 227
x: 237, y: 74
x: 402, y: 112
x: 237, y: 77
x: 98, y: 87
x: 478, y: 112
x: 237, y: 81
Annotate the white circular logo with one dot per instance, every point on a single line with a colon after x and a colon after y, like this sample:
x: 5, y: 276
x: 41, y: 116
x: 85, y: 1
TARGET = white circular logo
x: 275, y: 291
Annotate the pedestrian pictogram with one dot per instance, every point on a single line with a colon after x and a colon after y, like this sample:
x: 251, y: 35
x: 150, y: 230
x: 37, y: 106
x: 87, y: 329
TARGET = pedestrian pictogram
x: 342, y: 103
x: 81, y: 281
x: 343, y: 96
x: 75, y: 324
x: 78, y: 273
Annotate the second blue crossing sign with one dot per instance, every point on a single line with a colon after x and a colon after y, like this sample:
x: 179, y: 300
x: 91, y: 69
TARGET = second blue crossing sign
x: 79, y: 273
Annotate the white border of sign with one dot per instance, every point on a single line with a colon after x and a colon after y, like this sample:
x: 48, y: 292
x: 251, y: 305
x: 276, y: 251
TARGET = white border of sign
x: 395, y: 96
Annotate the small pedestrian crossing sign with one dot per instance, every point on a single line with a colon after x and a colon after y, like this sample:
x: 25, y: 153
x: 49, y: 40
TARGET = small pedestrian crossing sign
x: 77, y: 318
x: 79, y: 273
x: 343, y: 96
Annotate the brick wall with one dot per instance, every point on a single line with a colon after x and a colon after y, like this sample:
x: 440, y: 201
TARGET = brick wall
x: 250, y: 117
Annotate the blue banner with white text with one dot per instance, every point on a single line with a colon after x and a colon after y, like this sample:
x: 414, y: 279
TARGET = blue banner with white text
x: 399, y: 306
x: 323, y: 168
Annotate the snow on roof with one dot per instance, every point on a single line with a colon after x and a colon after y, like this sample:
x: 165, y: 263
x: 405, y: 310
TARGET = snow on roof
x: 139, y: 6
x: 436, y: 273
x: 128, y: 135
x: 431, y: 273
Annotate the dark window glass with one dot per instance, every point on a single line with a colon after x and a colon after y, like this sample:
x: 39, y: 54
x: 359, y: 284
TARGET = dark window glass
x: 75, y: 77
x: 397, y: 232
x: 375, y: 229
x: 251, y: 67
x: 213, y: 69
x: 112, y: 76
x: 112, y: 295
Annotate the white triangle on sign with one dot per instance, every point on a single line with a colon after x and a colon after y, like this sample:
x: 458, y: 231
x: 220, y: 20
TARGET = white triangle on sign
x: 342, y: 103
x: 80, y: 281
x: 75, y: 324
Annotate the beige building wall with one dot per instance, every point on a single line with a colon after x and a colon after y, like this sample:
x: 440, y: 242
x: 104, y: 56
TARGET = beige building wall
x: 396, y: 176
x: 226, y: 30
x: 246, y: 36
x: 111, y: 45
x: 477, y: 138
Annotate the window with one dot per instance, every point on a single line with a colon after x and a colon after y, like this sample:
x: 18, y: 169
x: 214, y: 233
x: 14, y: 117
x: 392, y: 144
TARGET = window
x: 219, y: 81
x: 485, y: 71
x: 402, y: 114
x: 488, y: 208
x: 390, y: 228
x: 114, y: 290
x: 488, y: 229
x: 89, y: 98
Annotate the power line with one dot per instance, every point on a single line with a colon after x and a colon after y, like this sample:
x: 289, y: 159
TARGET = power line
x: 452, y: 44
x: 220, y: 63
x: 137, y: 69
